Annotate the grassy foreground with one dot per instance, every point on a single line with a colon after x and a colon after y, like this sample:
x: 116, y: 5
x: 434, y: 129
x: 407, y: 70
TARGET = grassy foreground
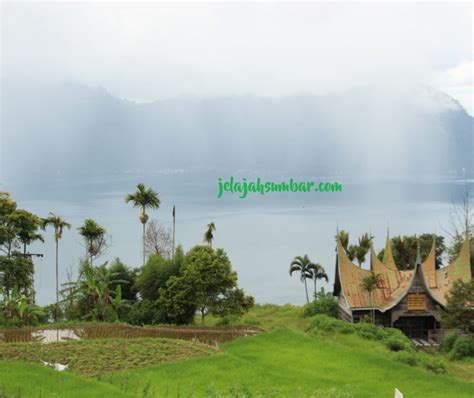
x: 285, y: 362
x: 19, y: 380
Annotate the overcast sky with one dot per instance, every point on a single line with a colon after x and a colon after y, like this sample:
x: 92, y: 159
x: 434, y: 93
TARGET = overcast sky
x: 152, y: 51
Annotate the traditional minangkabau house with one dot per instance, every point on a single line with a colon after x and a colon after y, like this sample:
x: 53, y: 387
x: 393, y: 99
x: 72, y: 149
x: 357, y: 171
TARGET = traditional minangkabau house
x: 409, y: 300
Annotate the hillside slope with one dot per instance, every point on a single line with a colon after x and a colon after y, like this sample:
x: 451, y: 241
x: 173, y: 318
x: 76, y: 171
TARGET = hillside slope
x: 285, y: 363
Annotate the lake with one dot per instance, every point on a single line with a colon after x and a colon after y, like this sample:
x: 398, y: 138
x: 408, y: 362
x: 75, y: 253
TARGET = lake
x: 261, y: 234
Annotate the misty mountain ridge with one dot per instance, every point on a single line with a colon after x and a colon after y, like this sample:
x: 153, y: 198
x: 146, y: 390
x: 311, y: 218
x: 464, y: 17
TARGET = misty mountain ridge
x: 70, y: 129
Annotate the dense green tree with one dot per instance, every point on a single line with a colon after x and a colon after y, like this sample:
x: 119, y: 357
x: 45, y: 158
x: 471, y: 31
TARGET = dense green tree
x: 16, y: 273
x: 206, y: 283
x: 156, y: 273
x: 144, y: 198
x: 94, y: 237
x: 126, y: 278
x: 8, y: 231
x: 18, y: 229
x: 59, y: 224
x: 459, y: 311
x: 405, y: 249
x: 148, y: 312
x: 26, y: 225
x: 233, y: 302
x: 177, y: 304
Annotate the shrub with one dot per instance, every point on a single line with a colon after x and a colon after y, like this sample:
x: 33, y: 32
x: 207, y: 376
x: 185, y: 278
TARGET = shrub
x: 326, y: 324
x: 370, y: 332
x: 435, y: 365
x: 463, y: 347
x: 324, y: 304
x: 407, y: 358
x: 448, y: 342
x: 145, y: 312
x: 228, y: 320
x: 396, y: 344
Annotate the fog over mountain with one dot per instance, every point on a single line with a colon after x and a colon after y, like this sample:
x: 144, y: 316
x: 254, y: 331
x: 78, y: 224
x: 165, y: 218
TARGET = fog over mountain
x: 69, y: 129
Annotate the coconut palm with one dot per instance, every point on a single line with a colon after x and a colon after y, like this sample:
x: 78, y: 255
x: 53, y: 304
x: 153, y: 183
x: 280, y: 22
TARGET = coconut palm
x: 318, y: 272
x: 304, y: 266
x: 209, y: 235
x: 58, y: 223
x: 369, y: 284
x: 94, y: 236
x: 145, y: 199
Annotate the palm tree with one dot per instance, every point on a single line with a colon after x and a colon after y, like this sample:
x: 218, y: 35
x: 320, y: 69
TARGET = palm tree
x: 369, y: 284
x: 58, y: 223
x: 343, y: 237
x: 144, y: 198
x: 363, y: 248
x: 304, y: 266
x: 208, y: 235
x: 94, y: 236
x: 318, y: 272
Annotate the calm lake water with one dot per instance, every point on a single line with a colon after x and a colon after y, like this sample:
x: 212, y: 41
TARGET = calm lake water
x: 261, y: 234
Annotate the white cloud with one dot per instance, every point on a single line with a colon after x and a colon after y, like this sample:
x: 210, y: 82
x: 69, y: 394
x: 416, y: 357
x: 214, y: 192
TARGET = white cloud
x: 152, y: 51
x: 459, y: 76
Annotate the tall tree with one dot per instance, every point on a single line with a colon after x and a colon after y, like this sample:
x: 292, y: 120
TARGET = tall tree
x: 95, y: 238
x: 209, y: 234
x: 304, y: 266
x: 59, y: 224
x: 158, y: 240
x: 144, y: 198
x: 369, y: 284
x: 8, y: 231
x: 26, y: 225
x: 318, y: 272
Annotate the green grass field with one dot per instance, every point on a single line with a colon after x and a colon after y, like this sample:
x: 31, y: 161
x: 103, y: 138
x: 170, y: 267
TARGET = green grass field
x: 283, y: 362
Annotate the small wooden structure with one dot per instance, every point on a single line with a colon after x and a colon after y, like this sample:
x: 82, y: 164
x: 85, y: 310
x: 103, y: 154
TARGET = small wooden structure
x: 409, y: 300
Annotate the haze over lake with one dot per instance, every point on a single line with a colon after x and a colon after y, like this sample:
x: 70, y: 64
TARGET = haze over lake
x: 96, y: 98
x: 260, y: 234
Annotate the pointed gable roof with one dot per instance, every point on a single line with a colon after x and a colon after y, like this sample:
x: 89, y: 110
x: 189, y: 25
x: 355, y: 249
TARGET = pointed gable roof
x: 388, y: 276
x: 444, y: 278
x: 428, y: 268
x: 391, y: 288
x: 388, y: 256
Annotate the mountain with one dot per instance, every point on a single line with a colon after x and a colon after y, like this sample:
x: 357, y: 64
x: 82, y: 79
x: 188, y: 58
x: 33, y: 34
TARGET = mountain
x: 69, y: 129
